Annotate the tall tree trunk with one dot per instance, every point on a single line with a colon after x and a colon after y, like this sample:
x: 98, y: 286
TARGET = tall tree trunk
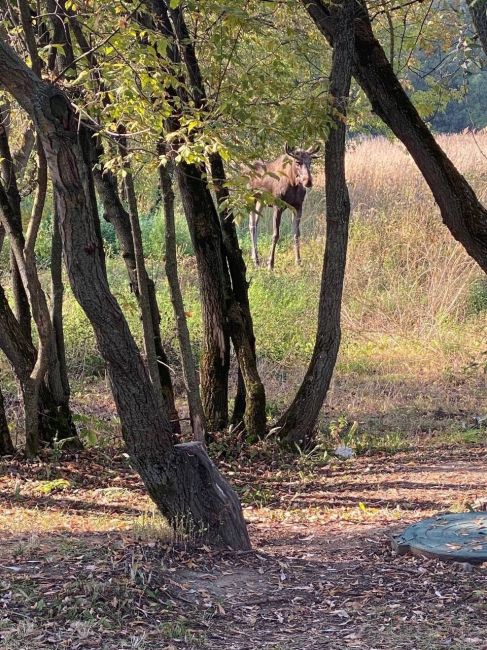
x: 8, y: 178
x: 191, y: 383
x: 172, y: 24
x: 141, y: 272
x: 57, y: 374
x: 460, y: 209
x: 6, y: 444
x: 240, y: 318
x: 181, y: 479
x: 297, y: 424
x: 250, y: 400
x: 206, y: 236
x: 204, y: 228
x: 115, y: 213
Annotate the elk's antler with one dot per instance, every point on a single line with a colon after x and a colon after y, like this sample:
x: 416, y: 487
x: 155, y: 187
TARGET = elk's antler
x: 313, y: 151
x: 289, y: 150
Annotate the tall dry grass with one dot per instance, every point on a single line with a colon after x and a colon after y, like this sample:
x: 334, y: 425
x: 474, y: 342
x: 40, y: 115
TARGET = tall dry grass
x: 406, y: 273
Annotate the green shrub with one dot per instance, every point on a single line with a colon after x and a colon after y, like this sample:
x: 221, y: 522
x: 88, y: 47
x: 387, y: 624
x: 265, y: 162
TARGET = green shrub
x: 477, y: 296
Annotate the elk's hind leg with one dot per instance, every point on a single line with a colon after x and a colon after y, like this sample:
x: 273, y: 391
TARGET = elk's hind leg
x: 297, y: 236
x: 253, y: 222
x: 276, y: 222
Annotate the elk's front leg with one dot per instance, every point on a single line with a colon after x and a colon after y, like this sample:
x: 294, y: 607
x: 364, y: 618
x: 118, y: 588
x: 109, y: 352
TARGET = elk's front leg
x: 297, y: 236
x: 253, y: 221
x: 276, y: 223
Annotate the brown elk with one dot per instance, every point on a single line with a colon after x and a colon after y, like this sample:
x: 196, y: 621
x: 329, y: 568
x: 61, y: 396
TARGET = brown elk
x: 287, y: 179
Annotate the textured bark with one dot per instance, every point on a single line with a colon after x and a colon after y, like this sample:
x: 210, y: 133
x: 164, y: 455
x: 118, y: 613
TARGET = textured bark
x: 8, y: 178
x: 60, y: 59
x: 23, y: 251
x: 239, y: 403
x: 460, y: 209
x: 57, y: 374
x: 191, y: 384
x: 204, y: 228
x: 181, y: 480
x: 206, y: 236
x: 252, y: 400
x: 115, y: 213
x: 298, y: 423
x: 22, y: 355
x: 6, y: 444
x: 172, y: 24
x: 141, y: 273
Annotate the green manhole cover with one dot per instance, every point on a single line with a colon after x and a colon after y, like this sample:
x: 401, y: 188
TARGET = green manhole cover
x: 460, y: 537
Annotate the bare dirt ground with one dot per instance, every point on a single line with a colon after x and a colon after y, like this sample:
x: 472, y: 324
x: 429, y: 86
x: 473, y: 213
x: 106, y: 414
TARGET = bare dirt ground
x: 85, y: 564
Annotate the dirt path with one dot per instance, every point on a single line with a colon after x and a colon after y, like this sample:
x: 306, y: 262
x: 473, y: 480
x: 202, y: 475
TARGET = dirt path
x: 84, y: 563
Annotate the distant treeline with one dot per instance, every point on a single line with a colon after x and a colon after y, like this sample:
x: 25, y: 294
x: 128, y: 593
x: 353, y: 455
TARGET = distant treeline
x: 467, y: 112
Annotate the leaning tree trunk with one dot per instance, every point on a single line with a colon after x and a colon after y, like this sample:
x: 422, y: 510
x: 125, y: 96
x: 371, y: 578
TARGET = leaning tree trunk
x: 298, y: 423
x: 6, y: 444
x: 181, y: 479
x: 191, y: 383
x: 460, y: 209
x: 115, y: 213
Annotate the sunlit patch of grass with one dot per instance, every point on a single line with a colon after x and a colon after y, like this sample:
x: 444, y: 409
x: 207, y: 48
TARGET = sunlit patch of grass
x: 462, y: 437
x: 24, y: 520
x: 56, y: 485
x: 151, y: 526
x: 324, y: 514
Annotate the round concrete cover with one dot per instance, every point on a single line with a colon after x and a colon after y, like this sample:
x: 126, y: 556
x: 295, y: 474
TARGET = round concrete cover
x: 461, y: 537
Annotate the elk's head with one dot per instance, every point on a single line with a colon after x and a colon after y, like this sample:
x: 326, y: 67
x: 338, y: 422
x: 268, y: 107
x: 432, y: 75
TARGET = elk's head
x: 303, y: 159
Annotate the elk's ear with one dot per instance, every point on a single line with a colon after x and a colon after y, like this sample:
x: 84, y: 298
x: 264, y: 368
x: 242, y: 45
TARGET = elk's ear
x: 313, y: 151
x: 289, y: 150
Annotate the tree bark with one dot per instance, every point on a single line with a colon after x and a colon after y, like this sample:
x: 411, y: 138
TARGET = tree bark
x: 6, y: 444
x: 206, y: 236
x: 181, y: 479
x: 204, y: 228
x: 21, y: 354
x: 115, y: 213
x: 252, y: 399
x: 141, y: 273
x: 298, y: 423
x: 191, y: 383
x: 57, y: 374
x: 460, y: 209
x: 8, y: 178
x: 252, y: 404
